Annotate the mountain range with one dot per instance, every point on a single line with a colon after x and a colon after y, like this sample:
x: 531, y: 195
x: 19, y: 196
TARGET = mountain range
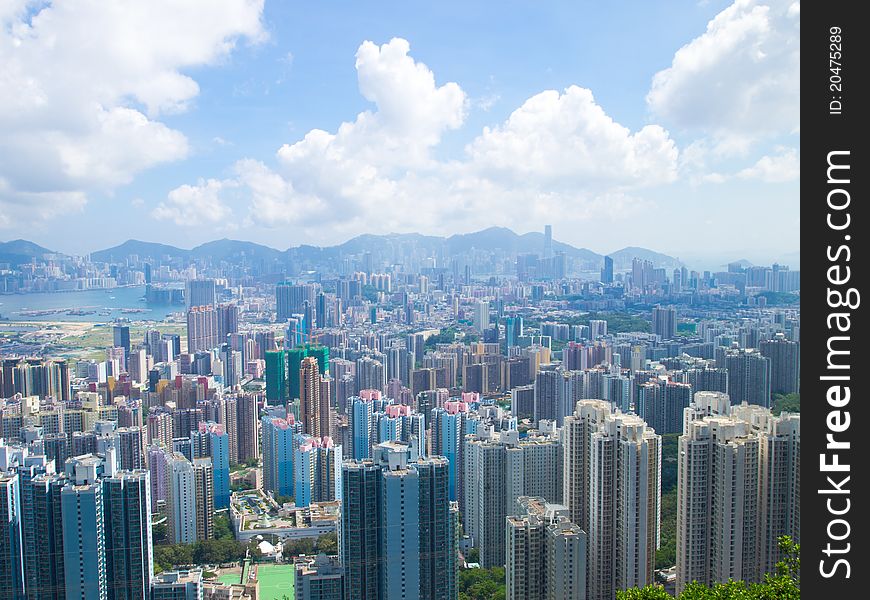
x: 493, y: 238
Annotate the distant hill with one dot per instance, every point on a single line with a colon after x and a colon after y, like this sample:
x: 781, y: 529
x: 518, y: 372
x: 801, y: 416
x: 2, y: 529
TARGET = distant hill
x: 493, y: 238
x: 148, y: 250
x: 21, y: 251
x: 235, y: 250
x: 622, y: 258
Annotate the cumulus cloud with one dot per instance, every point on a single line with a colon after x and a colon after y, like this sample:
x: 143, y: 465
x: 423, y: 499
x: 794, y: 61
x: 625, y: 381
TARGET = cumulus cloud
x: 193, y: 205
x: 568, y: 138
x: 740, y: 78
x: 378, y: 172
x: 779, y: 168
x: 84, y: 83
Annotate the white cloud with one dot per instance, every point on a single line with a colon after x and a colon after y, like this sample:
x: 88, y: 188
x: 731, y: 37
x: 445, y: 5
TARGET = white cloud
x: 740, y: 78
x: 568, y: 139
x: 780, y: 168
x: 83, y: 84
x: 378, y: 173
x: 191, y: 205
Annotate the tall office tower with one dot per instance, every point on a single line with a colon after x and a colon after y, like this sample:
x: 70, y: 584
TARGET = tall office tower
x: 319, y: 577
x: 290, y: 299
x: 84, y: 539
x: 664, y: 322
x: 370, y: 374
x: 707, y: 379
x: 597, y: 329
x: 177, y: 585
x: 130, y: 442
x: 203, y: 477
x: 11, y: 544
x: 201, y: 292
x: 210, y: 440
x: 129, y: 553
x: 624, y: 505
x: 748, y: 376
x: 607, y: 270
x: 248, y: 427
x: 180, y: 499
x: 546, y: 553
x: 202, y: 329
x: 785, y: 364
x: 121, y: 337
x: 277, y: 456
x: 548, y: 241
x: 481, y: 316
x: 498, y: 468
x: 361, y: 413
x: 317, y: 468
x: 398, y: 527
x: 313, y: 407
x: 661, y: 403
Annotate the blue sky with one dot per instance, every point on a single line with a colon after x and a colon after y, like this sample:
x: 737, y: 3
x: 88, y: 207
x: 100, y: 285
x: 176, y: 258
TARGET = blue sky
x: 671, y: 125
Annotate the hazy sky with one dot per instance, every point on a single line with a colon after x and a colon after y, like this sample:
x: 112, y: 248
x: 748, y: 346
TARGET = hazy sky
x: 672, y: 125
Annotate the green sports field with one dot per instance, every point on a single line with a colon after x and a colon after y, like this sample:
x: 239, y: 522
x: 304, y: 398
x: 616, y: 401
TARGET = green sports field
x: 276, y: 582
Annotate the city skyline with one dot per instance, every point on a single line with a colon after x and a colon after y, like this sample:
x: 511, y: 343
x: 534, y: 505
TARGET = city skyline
x: 266, y: 125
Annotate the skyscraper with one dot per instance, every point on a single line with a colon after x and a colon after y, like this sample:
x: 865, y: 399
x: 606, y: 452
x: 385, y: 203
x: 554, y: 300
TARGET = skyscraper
x: 210, y: 440
x: 738, y: 476
x: 748, y: 376
x: 481, y: 316
x: 398, y: 527
x: 624, y: 505
x: 290, y: 298
x: 498, y: 468
x: 612, y: 486
x: 664, y: 322
x: 203, y: 477
x: 546, y: 553
x: 84, y: 541
x: 607, y: 270
x: 181, y: 494
x: 202, y: 328
x: 11, y: 548
x: 317, y: 471
x: 277, y: 456
x: 201, y: 292
x: 248, y: 425
x: 785, y: 364
x: 314, y: 406
x: 129, y: 554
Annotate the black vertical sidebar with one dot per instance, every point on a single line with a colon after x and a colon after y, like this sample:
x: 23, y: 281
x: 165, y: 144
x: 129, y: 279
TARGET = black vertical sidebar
x: 835, y: 458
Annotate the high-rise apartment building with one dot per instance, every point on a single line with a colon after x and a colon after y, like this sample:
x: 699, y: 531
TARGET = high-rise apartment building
x: 748, y: 376
x: 399, y: 530
x: 785, y: 364
x: 664, y: 322
x: 277, y: 455
x: 314, y: 406
x: 546, y: 553
x: 498, y: 468
x: 737, y: 491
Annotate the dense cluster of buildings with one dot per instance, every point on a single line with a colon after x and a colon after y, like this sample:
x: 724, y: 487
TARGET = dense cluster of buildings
x: 424, y: 417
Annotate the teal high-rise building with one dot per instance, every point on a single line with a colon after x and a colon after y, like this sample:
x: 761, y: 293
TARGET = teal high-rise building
x: 295, y: 356
x: 84, y: 542
x: 276, y: 377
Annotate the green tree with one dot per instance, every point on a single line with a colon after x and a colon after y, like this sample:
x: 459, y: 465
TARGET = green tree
x: 327, y: 543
